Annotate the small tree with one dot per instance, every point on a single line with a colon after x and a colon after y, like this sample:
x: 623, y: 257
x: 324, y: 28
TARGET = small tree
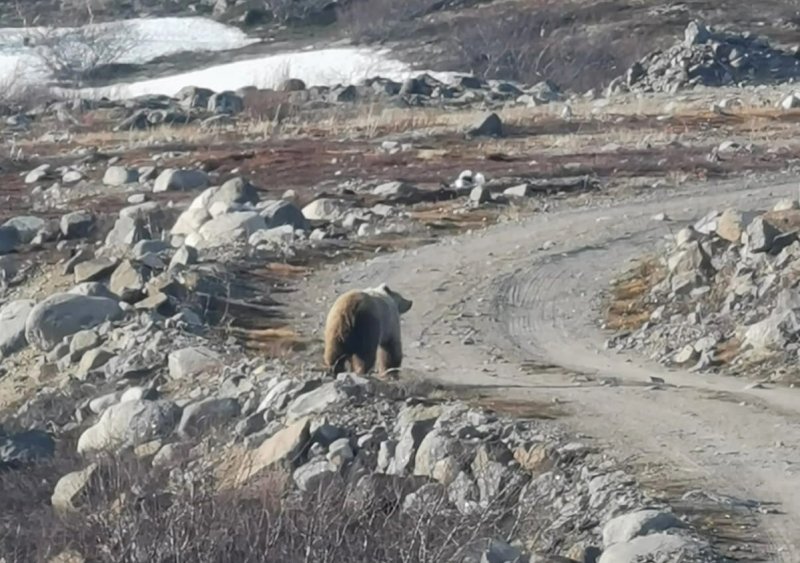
x: 74, y: 54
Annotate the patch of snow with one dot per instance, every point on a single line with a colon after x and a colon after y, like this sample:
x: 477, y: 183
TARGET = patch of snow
x: 154, y: 37
x: 325, y: 67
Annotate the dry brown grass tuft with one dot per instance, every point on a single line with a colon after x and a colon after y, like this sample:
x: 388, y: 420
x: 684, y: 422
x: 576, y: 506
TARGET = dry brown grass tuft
x: 628, y: 308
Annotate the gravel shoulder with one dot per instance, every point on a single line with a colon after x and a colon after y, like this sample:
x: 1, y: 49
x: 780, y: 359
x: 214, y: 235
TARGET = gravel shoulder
x: 496, y: 311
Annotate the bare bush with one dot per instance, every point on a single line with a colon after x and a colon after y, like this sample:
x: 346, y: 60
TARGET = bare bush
x: 381, y: 20
x: 135, y: 513
x: 294, y: 11
x: 550, y: 42
x: 75, y: 54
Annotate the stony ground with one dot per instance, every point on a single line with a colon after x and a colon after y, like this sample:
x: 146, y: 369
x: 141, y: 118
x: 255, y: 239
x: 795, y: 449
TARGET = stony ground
x: 167, y: 263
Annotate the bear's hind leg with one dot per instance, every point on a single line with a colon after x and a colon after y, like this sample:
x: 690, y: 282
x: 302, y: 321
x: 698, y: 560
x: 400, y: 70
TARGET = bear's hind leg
x: 363, y: 362
x: 390, y: 356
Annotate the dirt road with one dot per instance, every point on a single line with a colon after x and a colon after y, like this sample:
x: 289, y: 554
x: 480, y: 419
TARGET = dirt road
x: 488, y: 304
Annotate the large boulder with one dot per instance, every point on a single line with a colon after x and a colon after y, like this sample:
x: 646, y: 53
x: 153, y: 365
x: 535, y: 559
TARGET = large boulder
x: 642, y: 522
x: 27, y: 227
x: 277, y: 213
x: 119, y: 176
x: 77, y: 224
x: 180, y: 180
x: 72, y: 489
x: 204, y: 415
x: 235, y: 191
x: 228, y: 229
x: 13, y: 317
x: 326, y: 209
x: 64, y: 314
x: 190, y: 362
x: 129, y: 423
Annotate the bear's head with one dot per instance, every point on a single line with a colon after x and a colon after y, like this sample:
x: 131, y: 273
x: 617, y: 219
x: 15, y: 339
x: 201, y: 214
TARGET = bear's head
x: 403, y: 304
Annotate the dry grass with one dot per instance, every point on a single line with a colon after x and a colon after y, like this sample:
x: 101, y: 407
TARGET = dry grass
x: 133, y: 513
x: 628, y: 308
x: 272, y: 342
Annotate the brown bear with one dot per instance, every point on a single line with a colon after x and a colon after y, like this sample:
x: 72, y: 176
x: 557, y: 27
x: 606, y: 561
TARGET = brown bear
x: 363, y: 325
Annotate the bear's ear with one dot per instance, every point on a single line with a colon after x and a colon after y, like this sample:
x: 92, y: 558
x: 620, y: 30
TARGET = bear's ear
x: 385, y: 288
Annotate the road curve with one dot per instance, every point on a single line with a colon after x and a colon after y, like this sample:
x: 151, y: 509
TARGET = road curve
x: 487, y: 303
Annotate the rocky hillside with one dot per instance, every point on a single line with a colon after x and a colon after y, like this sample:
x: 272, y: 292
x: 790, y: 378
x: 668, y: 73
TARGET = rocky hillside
x: 727, y: 296
x: 140, y: 402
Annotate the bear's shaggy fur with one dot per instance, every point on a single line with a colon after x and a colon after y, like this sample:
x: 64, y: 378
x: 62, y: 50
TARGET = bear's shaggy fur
x: 362, y: 326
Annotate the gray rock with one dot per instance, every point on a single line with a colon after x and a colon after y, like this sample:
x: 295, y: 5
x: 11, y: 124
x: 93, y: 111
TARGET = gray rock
x: 128, y: 281
x: 522, y: 190
x: 94, y: 270
x: 184, y: 256
x: 180, y: 180
x: 204, y: 415
x: 275, y: 237
x: 760, y: 235
x: 731, y: 225
x: 38, y: 174
x: 169, y: 455
x: 490, y: 475
x: 26, y: 447
x: 82, y: 341
x: 480, y: 194
x: 292, y: 85
x: 78, y: 224
x: 138, y: 393
x: 686, y: 355
x: 771, y: 334
x: 119, y: 176
x: 129, y: 423
x: 72, y: 489
x: 690, y: 259
x: 695, y: 33
x: 654, y: 547
x: 235, y: 191
x: 396, y: 190
x: 101, y: 403
x: 340, y: 452
x: 285, y: 446
x: 144, y: 247
x: 314, y: 475
x: 191, y: 362
x: 228, y: 229
x: 276, y: 396
x: 434, y: 447
x: 406, y: 450
x: 64, y: 314
x: 501, y: 552
x: 626, y: 527
x: 326, y: 209
x: 9, y: 239
x: 464, y: 494
x: 277, y: 213
x: 92, y: 360
x: 72, y: 177
x: 424, y: 500
x: 126, y: 232
x: 93, y: 289
x: 226, y: 102
x: 13, y: 317
x: 489, y: 126
x: 27, y: 227
x: 314, y: 402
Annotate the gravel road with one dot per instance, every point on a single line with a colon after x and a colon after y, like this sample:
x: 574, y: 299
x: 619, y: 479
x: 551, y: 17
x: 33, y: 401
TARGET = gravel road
x: 514, y: 309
